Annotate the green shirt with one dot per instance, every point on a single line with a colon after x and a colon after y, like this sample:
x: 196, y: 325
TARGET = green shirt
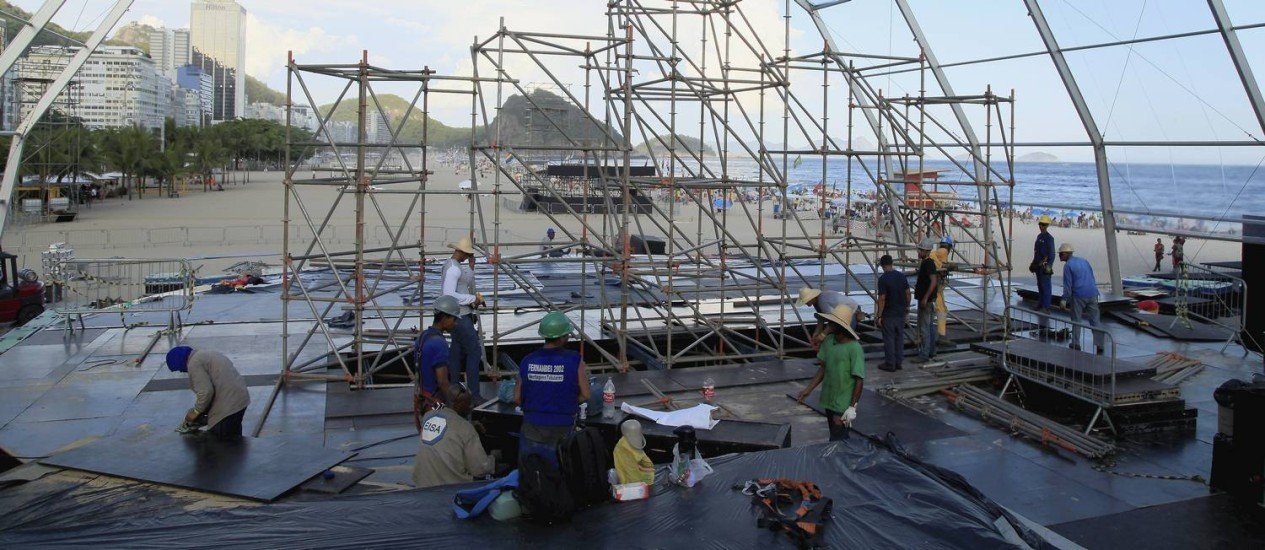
x: 842, y: 363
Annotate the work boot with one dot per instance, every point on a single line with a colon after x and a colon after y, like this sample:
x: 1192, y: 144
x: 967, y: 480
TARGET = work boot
x: 888, y: 367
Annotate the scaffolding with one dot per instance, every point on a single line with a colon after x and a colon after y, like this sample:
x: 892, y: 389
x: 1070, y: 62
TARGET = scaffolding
x: 51, y: 162
x: 726, y: 124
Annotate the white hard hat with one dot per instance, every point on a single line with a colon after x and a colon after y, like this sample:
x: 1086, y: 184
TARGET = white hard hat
x: 928, y: 243
x: 1066, y: 247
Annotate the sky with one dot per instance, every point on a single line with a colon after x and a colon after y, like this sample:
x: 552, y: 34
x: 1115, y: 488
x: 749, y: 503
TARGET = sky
x: 1184, y: 89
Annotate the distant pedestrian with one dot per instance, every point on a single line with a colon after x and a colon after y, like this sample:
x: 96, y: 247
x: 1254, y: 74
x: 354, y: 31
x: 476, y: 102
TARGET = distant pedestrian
x: 1080, y: 292
x: 1179, y: 254
x: 1159, y: 253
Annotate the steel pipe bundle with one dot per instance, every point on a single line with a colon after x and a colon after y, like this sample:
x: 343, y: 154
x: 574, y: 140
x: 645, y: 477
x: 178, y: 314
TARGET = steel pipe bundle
x: 999, y: 411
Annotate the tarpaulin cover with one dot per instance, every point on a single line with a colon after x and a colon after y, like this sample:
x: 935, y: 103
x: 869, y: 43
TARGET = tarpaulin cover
x: 882, y: 500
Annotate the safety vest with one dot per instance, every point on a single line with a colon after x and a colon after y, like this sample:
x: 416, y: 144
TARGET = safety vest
x: 550, y: 379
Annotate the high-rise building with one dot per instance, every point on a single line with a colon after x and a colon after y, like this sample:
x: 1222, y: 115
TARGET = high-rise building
x: 169, y: 48
x: 117, y: 85
x: 217, y: 37
x: 180, y: 48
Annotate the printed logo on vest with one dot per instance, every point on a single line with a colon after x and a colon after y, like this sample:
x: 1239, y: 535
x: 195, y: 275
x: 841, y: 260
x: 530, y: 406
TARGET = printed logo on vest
x: 433, y: 430
x: 546, y: 373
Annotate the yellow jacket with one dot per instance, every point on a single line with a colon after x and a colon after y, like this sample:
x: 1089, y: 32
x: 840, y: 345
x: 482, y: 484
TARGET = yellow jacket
x: 941, y: 257
x: 632, y: 465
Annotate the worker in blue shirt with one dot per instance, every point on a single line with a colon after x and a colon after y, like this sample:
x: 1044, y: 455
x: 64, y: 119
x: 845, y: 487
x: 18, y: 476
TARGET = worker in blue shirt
x: 549, y: 389
x: 1043, y: 263
x: 1080, y: 292
x: 430, y: 355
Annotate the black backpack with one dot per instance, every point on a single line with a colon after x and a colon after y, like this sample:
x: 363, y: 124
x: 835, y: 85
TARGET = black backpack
x: 544, y: 491
x: 585, y: 459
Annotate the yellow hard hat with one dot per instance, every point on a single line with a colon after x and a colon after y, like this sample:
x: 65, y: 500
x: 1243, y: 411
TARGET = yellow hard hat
x: 1044, y: 219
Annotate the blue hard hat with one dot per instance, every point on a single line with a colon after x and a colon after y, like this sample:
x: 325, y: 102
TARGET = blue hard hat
x: 178, y: 358
x: 550, y: 230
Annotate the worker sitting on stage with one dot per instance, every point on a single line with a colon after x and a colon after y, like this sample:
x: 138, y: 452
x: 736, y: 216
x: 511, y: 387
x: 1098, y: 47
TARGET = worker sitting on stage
x: 449, y: 450
x: 221, y: 392
x: 546, y: 246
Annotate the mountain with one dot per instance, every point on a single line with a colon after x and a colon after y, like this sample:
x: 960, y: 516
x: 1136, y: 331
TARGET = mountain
x: 258, y: 92
x: 132, y: 34
x: 518, y: 122
x: 1036, y: 156
x: 54, y: 38
x: 659, y: 145
x: 438, y: 133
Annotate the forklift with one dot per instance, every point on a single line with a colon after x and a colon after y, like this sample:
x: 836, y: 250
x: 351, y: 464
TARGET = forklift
x: 21, y: 293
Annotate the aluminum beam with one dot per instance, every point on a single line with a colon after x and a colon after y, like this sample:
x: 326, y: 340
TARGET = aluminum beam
x: 1095, y: 137
x: 14, y: 162
x: 1240, y: 60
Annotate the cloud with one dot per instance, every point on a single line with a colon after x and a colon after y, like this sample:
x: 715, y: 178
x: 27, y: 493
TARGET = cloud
x: 151, y: 21
x: 267, y: 44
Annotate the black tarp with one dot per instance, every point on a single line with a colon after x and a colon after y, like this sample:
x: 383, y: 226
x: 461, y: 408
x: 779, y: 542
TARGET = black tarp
x: 882, y: 500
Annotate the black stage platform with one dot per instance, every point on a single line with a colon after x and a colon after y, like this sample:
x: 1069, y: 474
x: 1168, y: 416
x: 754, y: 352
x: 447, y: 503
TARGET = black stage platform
x: 1060, y: 358
x: 258, y: 469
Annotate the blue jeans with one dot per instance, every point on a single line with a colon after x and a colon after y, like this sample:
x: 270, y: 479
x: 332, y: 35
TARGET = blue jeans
x: 926, y: 330
x: 1043, y: 287
x: 1085, y: 309
x: 466, y: 356
x: 893, y: 340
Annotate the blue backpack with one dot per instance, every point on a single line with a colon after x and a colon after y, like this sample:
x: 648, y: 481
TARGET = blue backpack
x: 471, y: 503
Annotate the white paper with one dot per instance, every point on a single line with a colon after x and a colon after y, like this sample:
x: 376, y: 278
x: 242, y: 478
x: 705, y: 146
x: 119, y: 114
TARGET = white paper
x: 698, y: 416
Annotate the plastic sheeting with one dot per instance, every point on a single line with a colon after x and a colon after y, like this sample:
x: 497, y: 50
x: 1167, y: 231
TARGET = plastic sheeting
x: 882, y: 500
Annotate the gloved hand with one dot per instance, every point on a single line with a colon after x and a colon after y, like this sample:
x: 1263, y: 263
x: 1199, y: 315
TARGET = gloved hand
x: 191, y: 417
x: 478, y: 300
x: 849, y: 415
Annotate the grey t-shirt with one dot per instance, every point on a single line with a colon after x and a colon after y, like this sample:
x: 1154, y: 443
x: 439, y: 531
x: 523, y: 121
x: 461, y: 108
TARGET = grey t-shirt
x: 830, y: 299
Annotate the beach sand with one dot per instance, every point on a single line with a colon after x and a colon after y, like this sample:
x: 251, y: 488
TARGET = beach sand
x: 245, y: 221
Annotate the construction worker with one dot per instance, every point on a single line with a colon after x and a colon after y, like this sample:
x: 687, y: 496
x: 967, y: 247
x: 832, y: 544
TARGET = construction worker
x: 926, y: 288
x: 891, y: 311
x: 449, y: 450
x: 432, y: 356
x: 221, y: 392
x: 546, y: 245
x: 467, y: 347
x: 1159, y: 253
x: 825, y: 301
x: 549, y: 389
x: 841, y: 365
x: 1043, y: 263
x: 1080, y: 292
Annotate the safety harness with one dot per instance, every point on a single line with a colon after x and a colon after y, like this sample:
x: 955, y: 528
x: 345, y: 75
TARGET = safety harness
x: 806, y: 524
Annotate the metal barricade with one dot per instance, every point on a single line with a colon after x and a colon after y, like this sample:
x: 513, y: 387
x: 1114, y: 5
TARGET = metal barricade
x: 1084, y: 376
x: 120, y: 284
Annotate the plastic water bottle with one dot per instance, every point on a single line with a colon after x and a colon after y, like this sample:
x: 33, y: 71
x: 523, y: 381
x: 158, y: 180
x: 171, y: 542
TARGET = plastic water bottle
x: 608, y: 399
x: 709, y: 389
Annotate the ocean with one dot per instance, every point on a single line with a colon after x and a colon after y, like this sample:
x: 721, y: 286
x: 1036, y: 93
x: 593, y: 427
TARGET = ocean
x: 1141, y: 190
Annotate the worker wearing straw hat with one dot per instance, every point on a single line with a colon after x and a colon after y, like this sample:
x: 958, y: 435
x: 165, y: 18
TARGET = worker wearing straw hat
x: 467, y: 348
x: 825, y: 301
x: 842, y: 369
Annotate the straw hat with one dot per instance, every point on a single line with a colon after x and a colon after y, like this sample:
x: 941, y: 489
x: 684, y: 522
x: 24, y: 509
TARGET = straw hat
x: 1066, y: 247
x: 842, y: 316
x: 463, y: 244
x: 806, y: 295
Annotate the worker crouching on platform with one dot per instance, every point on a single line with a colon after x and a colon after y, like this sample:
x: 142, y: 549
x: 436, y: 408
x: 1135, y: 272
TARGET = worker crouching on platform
x: 549, y: 389
x: 825, y: 301
x: 842, y: 369
x: 449, y: 450
x: 221, y: 392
